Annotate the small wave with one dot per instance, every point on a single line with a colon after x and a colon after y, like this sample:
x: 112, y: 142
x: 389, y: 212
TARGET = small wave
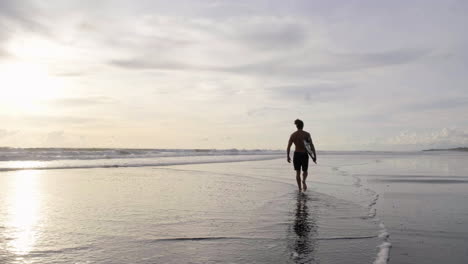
x: 427, y: 181
x: 57, y: 251
x: 411, y: 176
x: 346, y: 238
x: 384, y: 248
x: 175, y: 239
x: 136, y: 164
x: 374, y: 201
x: 383, y: 255
x: 372, y: 210
x: 54, y: 154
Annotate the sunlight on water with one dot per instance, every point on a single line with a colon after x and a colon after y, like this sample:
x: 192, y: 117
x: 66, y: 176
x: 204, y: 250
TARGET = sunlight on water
x: 22, y: 164
x: 23, y: 211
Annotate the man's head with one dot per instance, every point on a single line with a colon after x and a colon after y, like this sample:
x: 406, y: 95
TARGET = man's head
x: 299, y: 124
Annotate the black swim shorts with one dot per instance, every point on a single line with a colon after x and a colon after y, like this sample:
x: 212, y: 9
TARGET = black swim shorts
x: 301, y: 159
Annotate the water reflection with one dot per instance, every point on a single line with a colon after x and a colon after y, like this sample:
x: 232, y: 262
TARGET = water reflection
x: 303, y: 231
x: 22, y: 211
x: 20, y: 164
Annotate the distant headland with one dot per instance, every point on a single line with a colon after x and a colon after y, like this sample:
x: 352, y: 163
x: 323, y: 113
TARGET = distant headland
x: 450, y: 149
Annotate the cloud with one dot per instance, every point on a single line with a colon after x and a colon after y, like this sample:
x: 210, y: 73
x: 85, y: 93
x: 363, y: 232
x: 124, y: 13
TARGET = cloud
x: 83, y: 101
x: 383, y: 58
x: 71, y: 73
x: 16, y: 11
x: 172, y: 43
x: 23, y: 14
x: 154, y: 64
x: 18, y: 16
x: 7, y: 133
x: 62, y: 120
x: 443, y: 138
x: 439, y: 104
x: 258, y: 45
x: 319, y: 62
x: 54, y: 135
x: 263, y: 111
x: 55, y: 138
x: 355, y: 67
x: 4, y: 53
x: 316, y: 92
x: 286, y: 65
x: 265, y: 33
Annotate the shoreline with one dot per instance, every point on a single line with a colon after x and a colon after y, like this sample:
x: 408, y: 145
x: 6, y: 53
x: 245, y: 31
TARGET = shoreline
x: 370, y: 208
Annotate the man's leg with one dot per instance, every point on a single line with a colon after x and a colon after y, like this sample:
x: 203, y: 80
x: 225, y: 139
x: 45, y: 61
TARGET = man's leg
x: 297, y: 168
x: 305, y: 168
x: 298, y: 179
x: 304, y: 177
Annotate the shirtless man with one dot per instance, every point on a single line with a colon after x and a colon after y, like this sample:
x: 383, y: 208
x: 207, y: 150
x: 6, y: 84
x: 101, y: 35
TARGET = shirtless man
x: 301, y: 158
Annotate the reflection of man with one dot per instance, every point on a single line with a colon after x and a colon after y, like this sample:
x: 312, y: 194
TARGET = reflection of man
x: 302, y: 226
x: 305, y: 231
x: 301, y: 158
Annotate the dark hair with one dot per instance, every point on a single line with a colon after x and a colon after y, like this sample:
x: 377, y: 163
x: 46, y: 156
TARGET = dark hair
x: 299, y: 124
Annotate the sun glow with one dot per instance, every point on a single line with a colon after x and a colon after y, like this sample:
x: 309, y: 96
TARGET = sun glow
x: 24, y: 211
x: 26, y: 86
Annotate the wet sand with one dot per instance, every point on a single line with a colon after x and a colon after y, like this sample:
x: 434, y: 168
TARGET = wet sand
x: 423, y: 201
x: 240, y: 212
x: 244, y: 212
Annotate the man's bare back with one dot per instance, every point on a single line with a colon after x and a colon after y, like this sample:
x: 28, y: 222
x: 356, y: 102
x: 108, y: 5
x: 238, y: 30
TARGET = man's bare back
x: 298, y: 138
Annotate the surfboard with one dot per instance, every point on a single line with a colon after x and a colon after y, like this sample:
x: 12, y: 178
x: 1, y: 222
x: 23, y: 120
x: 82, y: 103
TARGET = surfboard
x: 308, y: 146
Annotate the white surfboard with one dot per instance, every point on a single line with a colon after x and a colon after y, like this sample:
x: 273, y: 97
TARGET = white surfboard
x: 308, y: 146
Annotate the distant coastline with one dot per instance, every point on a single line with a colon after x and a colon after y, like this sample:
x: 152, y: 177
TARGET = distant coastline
x: 450, y: 149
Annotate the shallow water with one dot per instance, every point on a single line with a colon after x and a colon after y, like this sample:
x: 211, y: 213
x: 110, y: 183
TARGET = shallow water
x: 239, y: 212
x: 245, y: 212
x: 423, y: 203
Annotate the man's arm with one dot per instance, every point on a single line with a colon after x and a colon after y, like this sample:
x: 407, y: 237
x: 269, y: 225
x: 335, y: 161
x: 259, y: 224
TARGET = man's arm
x: 289, y: 149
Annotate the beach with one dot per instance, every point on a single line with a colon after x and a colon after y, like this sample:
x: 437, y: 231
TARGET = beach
x: 359, y: 208
x: 155, y: 132
x: 423, y: 203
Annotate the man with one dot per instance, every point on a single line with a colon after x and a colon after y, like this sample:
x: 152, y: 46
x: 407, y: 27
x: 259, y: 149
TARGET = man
x: 301, y: 158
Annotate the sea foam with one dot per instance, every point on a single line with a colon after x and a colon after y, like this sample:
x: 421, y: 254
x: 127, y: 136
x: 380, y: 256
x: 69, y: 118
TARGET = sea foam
x: 384, y: 248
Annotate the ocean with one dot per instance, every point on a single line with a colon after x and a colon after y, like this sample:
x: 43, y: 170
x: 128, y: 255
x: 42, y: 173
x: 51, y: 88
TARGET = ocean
x: 231, y: 206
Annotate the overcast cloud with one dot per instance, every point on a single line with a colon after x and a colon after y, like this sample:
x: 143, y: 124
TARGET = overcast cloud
x: 235, y: 74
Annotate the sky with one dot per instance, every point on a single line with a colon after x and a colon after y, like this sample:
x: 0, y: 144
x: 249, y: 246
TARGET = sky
x: 362, y: 75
